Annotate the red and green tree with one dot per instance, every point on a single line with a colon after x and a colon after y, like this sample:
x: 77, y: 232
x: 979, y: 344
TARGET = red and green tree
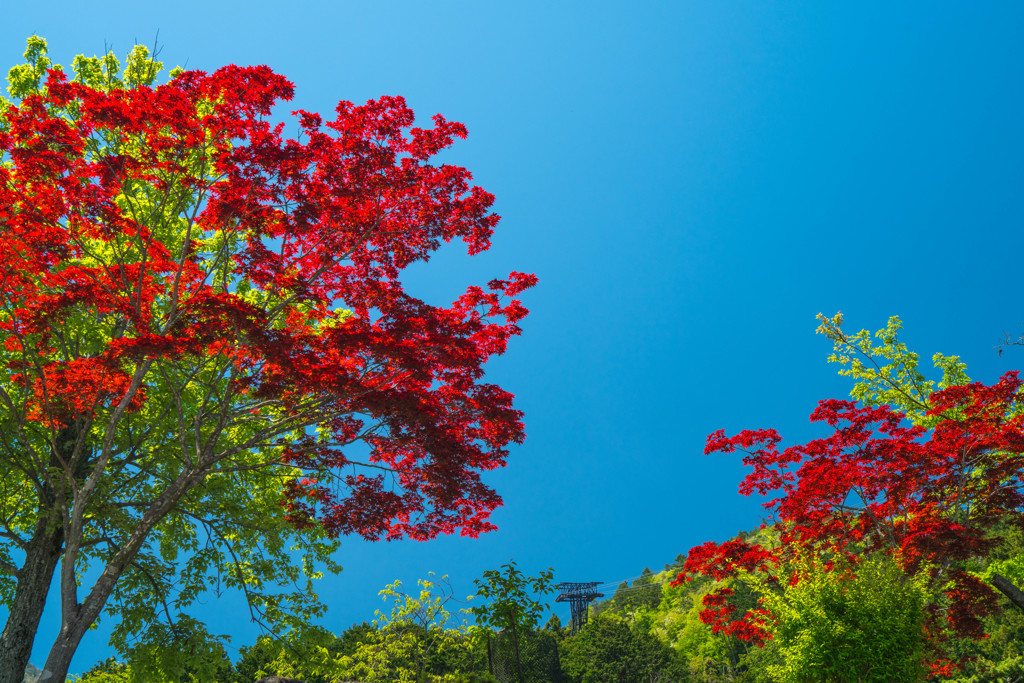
x: 926, y: 485
x: 209, y: 354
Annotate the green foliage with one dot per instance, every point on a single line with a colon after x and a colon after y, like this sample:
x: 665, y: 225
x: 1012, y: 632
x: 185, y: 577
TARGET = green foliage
x: 101, y: 73
x: 887, y: 373
x: 998, y: 658
x: 189, y: 656
x: 553, y: 624
x: 352, y: 638
x: 257, y: 660
x: 301, y: 656
x: 643, y: 594
x: 541, y: 661
x: 24, y: 79
x: 538, y: 652
x: 1007, y: 558
x: 862, y: 624
x: 608, y: 650
x: 108, y: 671
x: 415, y: 642
x: 508, y: 593
x: 510, y: 606
x: 708, y: 656
x: 182, y: 652
x: 676, y: 620
x: 824, y: 615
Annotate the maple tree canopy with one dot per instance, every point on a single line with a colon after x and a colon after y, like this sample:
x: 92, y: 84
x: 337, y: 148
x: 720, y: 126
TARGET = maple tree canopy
x: 194, y: 305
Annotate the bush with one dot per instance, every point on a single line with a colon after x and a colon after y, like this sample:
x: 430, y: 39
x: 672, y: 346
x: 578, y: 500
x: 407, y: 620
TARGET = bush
x: 862, y: 623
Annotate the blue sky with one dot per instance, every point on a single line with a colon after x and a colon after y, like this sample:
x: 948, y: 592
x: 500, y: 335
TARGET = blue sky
x: 692, y: 182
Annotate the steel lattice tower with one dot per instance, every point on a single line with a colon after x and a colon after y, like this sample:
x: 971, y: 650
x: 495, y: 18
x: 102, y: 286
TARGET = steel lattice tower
x: 579, y: 596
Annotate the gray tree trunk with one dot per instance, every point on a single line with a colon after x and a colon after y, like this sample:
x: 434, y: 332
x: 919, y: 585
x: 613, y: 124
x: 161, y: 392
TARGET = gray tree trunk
x: 42, y: 555
x: 515, y: 644
x: 77, y: 617
x: 41, y: 558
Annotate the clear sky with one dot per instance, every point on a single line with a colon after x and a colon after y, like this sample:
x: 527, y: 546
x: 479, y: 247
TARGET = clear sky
x: 692, y: 182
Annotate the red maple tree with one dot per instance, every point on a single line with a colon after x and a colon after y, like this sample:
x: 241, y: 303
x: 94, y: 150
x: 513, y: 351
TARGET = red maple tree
x: 187, y: 294
x: 930, y: 499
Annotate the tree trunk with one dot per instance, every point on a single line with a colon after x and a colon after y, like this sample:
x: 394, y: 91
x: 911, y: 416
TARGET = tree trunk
x: 515, y: 644
x: 1008, y: 589
x: 76, y: 618
x: 490, y: 662
x: 41, y: 557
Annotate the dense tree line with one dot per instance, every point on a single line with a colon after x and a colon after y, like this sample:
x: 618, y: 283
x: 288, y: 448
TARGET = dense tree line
x: 629, y: 637
x: 649, y: 630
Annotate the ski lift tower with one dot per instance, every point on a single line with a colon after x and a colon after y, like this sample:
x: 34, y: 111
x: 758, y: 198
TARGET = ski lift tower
x: 579, y: 596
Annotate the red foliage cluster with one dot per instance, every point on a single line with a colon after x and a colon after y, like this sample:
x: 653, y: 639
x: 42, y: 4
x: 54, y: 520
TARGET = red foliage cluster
x: 150, y: 212
x: 929, y: 499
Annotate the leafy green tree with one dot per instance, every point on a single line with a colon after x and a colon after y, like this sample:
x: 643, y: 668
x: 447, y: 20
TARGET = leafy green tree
x: 108, y: 671
x: 509, y: 602
x: 188, y: 660
x: 312, y: 659
x: 295, y: 657
x: 676, y: 564
x: 607, y: 650
x: 182, y: 652
x: 888, y: 373
x: 999, y: 658
x: 676, y: 619
x: 866, y: 623
x: 540, y: 661
x: 352, y: 637
x: 415, y: 642
x: 257, y: 660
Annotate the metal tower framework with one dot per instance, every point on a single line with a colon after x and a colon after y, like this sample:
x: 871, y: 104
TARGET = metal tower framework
x: 579, y: 596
